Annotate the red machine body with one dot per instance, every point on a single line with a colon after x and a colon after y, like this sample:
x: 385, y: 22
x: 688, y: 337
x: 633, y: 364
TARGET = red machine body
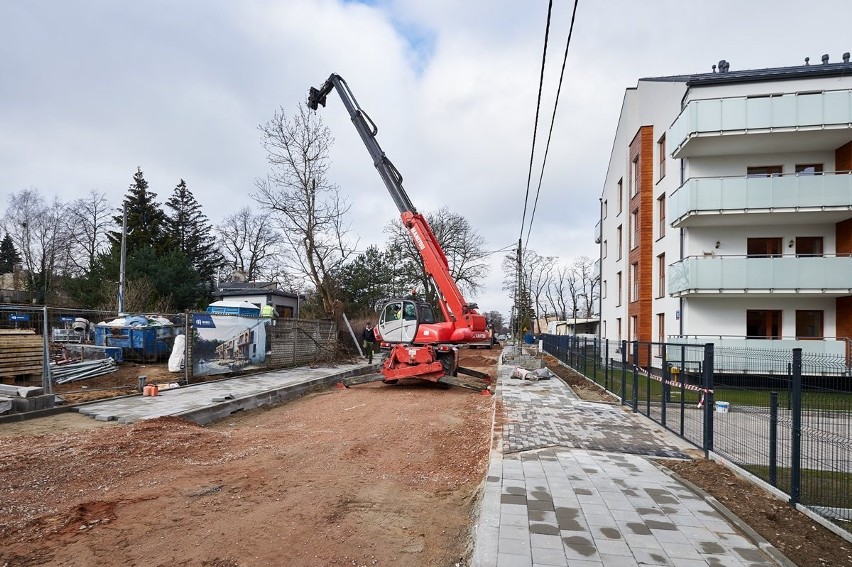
x: 419, y: 346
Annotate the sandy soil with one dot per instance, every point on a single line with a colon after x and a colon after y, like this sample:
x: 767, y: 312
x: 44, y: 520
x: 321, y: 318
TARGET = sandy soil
x: 371, y: 475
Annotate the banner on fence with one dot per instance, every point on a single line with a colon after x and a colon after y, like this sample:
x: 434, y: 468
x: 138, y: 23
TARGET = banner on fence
x: 227, y: 343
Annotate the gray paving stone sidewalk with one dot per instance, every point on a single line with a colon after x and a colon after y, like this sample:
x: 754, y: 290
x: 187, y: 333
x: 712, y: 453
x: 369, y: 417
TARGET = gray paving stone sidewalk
x: 209, y: 401
x: 570, y: 483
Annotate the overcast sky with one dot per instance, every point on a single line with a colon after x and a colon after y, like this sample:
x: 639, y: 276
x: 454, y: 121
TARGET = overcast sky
x: 89, y: 90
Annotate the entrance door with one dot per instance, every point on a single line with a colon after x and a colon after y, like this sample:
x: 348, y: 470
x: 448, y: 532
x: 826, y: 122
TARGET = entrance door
x: 398, y: 321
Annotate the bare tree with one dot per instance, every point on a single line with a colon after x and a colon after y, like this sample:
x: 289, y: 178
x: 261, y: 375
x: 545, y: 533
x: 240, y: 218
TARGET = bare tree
x: 586, y: 285
x: 538, y: 272
x: 249, y: 244
x: 39, y: 232
x: 462, y: 245
x: 306, y: 205
x: 90, y: 219
x: 557, y: 294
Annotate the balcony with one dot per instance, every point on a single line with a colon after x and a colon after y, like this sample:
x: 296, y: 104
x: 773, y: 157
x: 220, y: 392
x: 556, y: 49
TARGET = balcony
x: 598, y: 232
x: 728, y: 275
x: 782, y: 123
x: 596, y: 270
x: 815, y: 198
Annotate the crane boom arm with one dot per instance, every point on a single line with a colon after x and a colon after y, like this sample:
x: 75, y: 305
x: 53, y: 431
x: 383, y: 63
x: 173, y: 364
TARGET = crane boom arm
x: 455, y: 307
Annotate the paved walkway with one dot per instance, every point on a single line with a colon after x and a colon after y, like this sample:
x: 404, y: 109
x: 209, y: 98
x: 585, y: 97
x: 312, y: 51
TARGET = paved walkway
x: 208, y: 401
x: 570, y: 483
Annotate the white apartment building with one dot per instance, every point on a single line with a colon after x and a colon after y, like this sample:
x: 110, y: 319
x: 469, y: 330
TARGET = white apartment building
x: 726, y: 215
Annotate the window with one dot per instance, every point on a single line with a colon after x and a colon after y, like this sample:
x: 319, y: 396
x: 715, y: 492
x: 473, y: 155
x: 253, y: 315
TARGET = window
x: 634, y: 176
x: 809, y: 169
x: 618, y: 328
x: 603, y: 250
x: 618, y: 287
x: 764, y: 247
x: 661, y: 151
x: 605, y: 207
x: 763, y: 324
x: 603, y: 291
x: 809, y: 246
x: 661, y: 275
x: 661, y: 208
x: 634, y: 229
x: 634, y: 322
x: 620, y: 195
x: 603, y: 329
x: 620, y: 243
x: 634, y: 282
x: 808, y: 324
x: 661, y: 332
x: 764, y: 171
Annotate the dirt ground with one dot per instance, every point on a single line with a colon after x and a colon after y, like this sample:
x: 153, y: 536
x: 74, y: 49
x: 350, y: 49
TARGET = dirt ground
x: 371, y: 475
x: 802, y: 540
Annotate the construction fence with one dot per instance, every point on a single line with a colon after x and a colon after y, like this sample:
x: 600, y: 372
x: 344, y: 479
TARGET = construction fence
x: 76, y: 344
x: 234, y: 343
x: 783, y: 417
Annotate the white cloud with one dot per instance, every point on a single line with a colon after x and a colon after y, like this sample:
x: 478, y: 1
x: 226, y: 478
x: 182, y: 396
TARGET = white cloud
x: 91, y: 89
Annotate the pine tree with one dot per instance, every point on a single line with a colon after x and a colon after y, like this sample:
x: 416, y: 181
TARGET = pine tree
x: 189, y: 231
x: 8, y: 255
x: 145, y: 219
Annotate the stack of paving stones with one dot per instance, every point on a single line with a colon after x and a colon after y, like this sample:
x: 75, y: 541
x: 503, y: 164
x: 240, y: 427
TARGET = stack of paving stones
x: 572, y: 485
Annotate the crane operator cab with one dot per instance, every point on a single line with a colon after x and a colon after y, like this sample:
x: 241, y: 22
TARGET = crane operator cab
x: 399, y: 319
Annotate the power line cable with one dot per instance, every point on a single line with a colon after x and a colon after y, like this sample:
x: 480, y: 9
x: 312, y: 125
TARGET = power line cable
x: 532, y: 155
x: 552, y: 121
x: 537, y: 109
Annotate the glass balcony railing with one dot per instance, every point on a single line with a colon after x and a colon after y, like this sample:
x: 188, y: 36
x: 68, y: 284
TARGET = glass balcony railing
x: 835, y: 347
x: 740, y: 274
x: 598, y: 232
x: 765, y: 113
x: 725, y: 195
x: 596, y: 271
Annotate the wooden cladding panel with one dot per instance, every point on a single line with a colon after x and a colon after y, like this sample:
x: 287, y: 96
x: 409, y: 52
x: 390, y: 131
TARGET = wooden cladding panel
x: 642, y: 147
x: 844, y: 316
x: 843, y: 232
x: 843, y: 157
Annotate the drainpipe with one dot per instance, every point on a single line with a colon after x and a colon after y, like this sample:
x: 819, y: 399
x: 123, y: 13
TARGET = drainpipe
x: 600, y: 274
x: 680, y: 299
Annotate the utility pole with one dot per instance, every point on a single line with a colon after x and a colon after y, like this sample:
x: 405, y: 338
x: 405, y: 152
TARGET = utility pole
x: 123, y: 259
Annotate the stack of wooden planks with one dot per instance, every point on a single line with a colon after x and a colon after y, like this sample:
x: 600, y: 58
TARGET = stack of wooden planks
x: 20, y: 354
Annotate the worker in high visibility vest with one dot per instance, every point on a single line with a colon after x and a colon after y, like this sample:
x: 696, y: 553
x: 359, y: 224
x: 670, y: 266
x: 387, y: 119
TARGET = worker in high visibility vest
x: 268, y: 311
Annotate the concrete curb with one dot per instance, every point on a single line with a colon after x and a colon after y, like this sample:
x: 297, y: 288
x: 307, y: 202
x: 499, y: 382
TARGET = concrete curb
x: 755, y: 537
x: 221, y: 410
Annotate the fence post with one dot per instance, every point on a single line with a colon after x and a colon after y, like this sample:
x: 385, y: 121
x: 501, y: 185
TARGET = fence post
x: 681, y: 377
x: 796, y: 433
x: 595, y: 355
x: 666, y: 388
x: 648, y: 380
x: 606, y: 364
x: 46, y: 377
x: 187, y: 346
x: 623, y: 371
x: 635, y: 376
x: 773, y: 438
x: 708, y: 398
x: 585, y: 357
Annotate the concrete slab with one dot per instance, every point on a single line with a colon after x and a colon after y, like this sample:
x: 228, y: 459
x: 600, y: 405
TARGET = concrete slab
x: 572, y: 483
x: 209, y: 401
